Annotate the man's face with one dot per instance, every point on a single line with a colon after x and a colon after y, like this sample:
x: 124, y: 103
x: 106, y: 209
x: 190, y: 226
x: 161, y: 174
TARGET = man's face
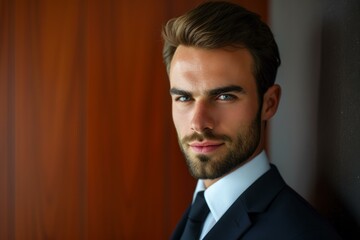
x: 215, y: 109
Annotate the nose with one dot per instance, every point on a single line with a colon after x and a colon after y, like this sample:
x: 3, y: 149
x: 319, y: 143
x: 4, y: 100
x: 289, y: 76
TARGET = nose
x: 202, y: 118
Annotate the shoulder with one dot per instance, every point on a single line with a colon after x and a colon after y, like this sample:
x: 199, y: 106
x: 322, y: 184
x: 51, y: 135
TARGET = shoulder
x: 289, y: 216
x: 292, y: 213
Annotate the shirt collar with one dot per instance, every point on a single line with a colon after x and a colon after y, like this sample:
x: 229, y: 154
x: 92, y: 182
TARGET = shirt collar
x: 223, y: 193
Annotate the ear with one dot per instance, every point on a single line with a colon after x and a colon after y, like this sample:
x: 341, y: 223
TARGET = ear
x: 270, y: 102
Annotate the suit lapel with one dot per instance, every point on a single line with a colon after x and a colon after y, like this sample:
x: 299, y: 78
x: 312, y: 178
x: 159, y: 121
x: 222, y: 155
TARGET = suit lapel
x: 261, y: 193
x: 232, y: 224
x: 236, y: 221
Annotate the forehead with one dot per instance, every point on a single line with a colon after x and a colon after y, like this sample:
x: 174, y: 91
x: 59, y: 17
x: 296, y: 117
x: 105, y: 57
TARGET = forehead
x: 211, y: 68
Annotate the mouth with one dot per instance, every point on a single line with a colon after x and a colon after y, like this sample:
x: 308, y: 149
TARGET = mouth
x: 205, y: 147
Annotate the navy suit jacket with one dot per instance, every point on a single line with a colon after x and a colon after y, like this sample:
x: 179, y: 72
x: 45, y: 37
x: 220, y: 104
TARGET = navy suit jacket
x: 268, y: 209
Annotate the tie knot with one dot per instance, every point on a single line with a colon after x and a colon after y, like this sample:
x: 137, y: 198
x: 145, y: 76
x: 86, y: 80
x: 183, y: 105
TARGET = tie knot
x: 199, y: 209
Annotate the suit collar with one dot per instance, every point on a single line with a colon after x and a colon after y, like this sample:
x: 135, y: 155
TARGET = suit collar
x: 268, y: 186
x: 255, y: 199
x: 232, y: 224
x: 223, y: 193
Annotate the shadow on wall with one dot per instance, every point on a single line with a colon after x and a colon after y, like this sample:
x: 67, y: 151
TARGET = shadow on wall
x: 337, y: 193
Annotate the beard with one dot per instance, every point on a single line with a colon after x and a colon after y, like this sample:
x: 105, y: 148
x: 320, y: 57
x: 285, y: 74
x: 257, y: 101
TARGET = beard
x: 238, y: 151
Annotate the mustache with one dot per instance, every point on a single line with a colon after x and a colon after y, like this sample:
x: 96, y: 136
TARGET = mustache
x: 209, y: 135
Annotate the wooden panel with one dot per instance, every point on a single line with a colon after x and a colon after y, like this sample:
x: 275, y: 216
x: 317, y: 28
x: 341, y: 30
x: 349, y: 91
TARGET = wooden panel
x: 130, y: 133
x: 49, y: 136
x: 88, y: 148
x: 6, y: 120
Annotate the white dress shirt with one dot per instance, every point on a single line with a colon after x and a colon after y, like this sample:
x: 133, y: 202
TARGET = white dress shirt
x: 223, y: 193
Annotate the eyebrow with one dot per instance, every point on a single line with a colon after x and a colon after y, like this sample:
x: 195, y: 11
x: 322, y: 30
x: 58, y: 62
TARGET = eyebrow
x: 176, y: 91
x: 232, y: 88
x: 212, y: 92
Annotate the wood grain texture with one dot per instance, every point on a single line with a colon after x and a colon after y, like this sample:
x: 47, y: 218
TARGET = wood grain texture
x: 88, y: 148
x: 6, y: 121
x: 49, y: 113
x: 129, y: 187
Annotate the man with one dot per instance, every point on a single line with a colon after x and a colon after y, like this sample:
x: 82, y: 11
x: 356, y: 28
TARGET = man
x: 222, y: 62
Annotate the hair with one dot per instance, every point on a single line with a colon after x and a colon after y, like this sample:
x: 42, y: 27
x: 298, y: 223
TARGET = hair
x: 214, y: 25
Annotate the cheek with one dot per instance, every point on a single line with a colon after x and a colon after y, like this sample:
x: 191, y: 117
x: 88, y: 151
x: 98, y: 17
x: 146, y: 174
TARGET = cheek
x: 237, y: 117
x: 180, y: 121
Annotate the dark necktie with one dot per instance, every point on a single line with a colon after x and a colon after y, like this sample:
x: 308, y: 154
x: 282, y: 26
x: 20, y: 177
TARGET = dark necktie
x: 198, y: 213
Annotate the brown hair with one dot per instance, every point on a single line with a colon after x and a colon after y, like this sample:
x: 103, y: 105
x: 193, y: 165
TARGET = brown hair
x: 222, y: 24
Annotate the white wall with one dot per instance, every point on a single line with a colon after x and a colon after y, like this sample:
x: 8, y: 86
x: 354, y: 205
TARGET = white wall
x: 293, y: 139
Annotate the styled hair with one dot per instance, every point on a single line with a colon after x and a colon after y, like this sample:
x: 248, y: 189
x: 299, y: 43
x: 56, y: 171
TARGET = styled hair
x: 219, y: 24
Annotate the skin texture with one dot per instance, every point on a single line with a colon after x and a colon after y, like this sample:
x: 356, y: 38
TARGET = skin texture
x: 216, y: 111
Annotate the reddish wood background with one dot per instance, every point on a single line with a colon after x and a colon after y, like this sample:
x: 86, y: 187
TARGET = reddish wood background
x: 87, y: 146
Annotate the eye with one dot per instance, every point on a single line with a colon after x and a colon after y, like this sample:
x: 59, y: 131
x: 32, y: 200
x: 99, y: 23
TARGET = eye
x: 182, y: 99
x: 226, y: 97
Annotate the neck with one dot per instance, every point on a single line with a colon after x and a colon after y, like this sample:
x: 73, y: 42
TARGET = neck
x: 209, y: 182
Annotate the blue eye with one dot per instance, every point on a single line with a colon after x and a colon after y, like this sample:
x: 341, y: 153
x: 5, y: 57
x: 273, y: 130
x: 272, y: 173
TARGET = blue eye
x: 226, y: 97
x: 183, y: 99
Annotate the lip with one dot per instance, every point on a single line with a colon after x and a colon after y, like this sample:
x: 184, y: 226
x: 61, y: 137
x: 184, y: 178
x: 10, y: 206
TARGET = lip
x: 205, y: 146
